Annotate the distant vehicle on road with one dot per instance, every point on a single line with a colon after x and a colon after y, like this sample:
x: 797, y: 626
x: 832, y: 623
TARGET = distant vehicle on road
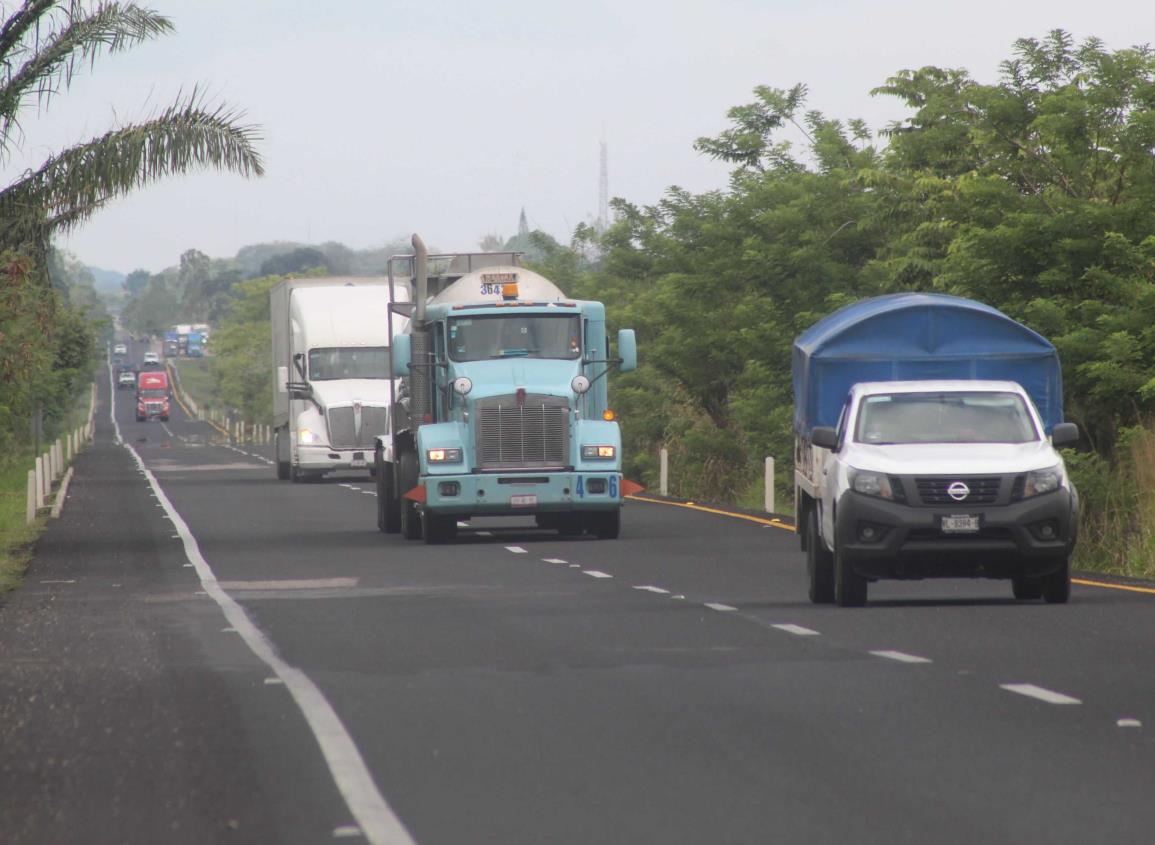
x: 120, y: 349
x: 127, y: 378
x: 152, y: 400
x: 151, y: 358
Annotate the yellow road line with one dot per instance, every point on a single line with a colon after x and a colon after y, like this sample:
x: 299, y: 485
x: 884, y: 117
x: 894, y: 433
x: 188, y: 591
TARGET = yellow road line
x: 1107, y: 585
x: 775, y: 523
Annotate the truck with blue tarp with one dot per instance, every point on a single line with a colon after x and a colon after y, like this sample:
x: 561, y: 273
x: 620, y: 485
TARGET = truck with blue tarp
x: 503, y: 408
x: 926, y: 429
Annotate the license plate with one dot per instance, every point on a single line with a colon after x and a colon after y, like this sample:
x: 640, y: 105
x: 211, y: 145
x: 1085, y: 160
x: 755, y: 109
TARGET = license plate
x: 526, y: 500
x: 358, y: 463
x: 960, y: 524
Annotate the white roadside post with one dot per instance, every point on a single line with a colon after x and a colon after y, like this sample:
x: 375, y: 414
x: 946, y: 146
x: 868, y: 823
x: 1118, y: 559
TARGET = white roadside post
x: 31, y: 504
x: 769, y: 481
x: 39, y: 471
x: 664, y: 472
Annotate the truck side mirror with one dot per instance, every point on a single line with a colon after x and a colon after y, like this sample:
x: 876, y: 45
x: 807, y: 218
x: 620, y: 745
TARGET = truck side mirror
x: 824, y: 437
x: 401, y: 354
x: 282, y: 379
x: 1064, y: 434
x: 627, y: 351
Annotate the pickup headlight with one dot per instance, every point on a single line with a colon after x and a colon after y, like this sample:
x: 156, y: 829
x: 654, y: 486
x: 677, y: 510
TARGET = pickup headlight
x: 443, y: 456
x: 876, y: 484
x: 1042, y: 481
x: 605, y: 453
x: 308, y: 437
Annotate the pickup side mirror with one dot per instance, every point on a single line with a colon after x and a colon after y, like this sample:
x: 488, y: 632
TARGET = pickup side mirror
x: 627, y: 351
x: 1064, y: 434
x: 824, y: 437
x: 401, y: 353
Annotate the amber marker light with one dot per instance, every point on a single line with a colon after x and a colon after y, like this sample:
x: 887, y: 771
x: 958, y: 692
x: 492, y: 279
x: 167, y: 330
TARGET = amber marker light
x: 608, y: 415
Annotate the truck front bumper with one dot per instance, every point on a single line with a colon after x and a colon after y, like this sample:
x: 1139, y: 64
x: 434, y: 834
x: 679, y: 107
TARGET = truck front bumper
x: 507, y: 494
x: 325, y: 459
x: 885, y: 539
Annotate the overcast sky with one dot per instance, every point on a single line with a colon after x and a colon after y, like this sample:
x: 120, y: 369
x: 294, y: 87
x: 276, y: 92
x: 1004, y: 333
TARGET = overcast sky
x: 446, y: 117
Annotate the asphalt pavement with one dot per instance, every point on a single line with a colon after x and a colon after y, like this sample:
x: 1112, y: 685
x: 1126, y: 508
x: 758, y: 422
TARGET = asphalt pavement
x: 244, y: 659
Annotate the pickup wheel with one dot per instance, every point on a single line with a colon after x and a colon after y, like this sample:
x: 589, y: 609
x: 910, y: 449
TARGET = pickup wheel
x: 388, y: 510
x: 1057, y: 585
x: 282, y: 466
x: 407, y: 471
x: 1026, y: 589
x: 819, y: 563
x: 849, y: 586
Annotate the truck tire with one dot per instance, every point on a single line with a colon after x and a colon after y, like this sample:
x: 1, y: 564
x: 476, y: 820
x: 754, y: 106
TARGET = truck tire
x: 438, y: 527
x: 819, y: 563
x: 607, y: 525
x: 1026, y: 589
x: 282, y: 466
x: 388, y: 512
x: 849, y: 586
x: 1057, y: 585
x: 408, y: 471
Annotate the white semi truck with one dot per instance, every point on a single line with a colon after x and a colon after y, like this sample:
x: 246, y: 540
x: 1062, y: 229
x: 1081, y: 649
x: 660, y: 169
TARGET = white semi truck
x: 331, y: 373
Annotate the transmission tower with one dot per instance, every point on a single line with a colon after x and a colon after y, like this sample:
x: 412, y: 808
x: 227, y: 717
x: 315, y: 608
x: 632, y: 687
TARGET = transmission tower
x: 603, y: 221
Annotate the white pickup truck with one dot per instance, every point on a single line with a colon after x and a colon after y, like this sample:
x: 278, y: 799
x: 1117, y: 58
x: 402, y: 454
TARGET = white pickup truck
x: 931, y: 477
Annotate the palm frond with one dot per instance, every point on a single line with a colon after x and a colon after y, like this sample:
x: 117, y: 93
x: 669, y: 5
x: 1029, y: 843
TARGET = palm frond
x: 53, y: 61
x: 68, y: 188
x: 20, y: 22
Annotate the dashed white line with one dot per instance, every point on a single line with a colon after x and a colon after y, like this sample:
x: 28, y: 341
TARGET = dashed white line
x: 347, y: 831
x: 461, y: 524
x: 484, y: 533
x: 273, y: 682
x: 796, y: 630
x: 901, y: 656
x: 1129, y: 723
x: 1042, y: 694
x: 677, y: 597
x: 554, y: 560
x: 723, y: 608
x: 72, y: 581
x: 647, y: 588
x: 594, y: 573
x: 517, y: 550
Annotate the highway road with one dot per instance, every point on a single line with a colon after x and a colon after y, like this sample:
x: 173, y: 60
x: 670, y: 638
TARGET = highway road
x: 243, y: 659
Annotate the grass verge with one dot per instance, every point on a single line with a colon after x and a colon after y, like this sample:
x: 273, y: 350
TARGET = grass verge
x: 196, y: 379
x: 15, y: 536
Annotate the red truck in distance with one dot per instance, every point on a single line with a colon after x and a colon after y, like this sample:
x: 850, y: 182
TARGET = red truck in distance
x: 152, y: 396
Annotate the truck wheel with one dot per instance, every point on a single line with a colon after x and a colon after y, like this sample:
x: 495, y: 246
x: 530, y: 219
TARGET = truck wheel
x: 1057, y: 585
x: 849, y: 586
x: 1026, y: 589
x: 407, y: 471
x: 282, y: 466
x: 388, y: 513
x: 438, y: 527
x: 607, y: 525
x: 819, y: 563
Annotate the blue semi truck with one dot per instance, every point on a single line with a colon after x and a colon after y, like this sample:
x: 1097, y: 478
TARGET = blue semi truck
x: 501, y: 405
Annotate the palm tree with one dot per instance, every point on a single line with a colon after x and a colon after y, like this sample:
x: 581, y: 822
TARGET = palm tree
x: 43, y: 44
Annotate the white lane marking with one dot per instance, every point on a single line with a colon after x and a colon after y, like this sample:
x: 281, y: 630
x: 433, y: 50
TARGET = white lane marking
x: 724, y: 608
x: 291, y: 584
x: 369, y: 492
x: 72, y: 581
x: 378, y: 822
x: 461, y: 524
x: 796, y: 630
x: 554, y: 560
x: 677, y: 597
x: 575, y: 566
x: 650, y: 589
x: 1129, y: 723
x: 484, y: 533
x: 594, y: 573
x: 517, y: 550
x: 901, y: 656
x: 228, y: 630
x: 350, y: 486
x: 1032, y: 691
x: 346, y: 831
x: 186, y: 565
x: 270, y: 682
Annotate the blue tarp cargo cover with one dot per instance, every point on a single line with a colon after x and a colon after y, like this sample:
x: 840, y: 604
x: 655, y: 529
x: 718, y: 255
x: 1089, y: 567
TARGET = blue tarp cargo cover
x: 915, y: 336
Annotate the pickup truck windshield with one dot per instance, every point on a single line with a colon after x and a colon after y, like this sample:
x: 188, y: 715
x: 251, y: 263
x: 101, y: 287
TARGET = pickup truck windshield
x: 348, y: 362
x: 515, y: 336
x: 953, y: 417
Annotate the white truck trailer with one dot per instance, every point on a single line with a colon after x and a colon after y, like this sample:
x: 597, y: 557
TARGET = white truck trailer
x: 331, y: 373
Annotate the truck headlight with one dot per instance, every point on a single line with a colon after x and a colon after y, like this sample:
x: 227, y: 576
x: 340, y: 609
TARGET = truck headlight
x: 443, y: 456
x: 599, y: 452
x: 875, y: 484
x: 1042, y: 481
x: 308, y: 437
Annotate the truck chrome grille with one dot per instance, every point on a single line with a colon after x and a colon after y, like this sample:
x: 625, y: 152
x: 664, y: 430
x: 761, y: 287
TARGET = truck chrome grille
x: 534, y: 434
x: 983, y: 491
x: 343, y: 432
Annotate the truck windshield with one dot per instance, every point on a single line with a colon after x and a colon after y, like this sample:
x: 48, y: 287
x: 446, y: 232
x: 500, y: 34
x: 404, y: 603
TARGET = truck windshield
x: 515, y: 336
x: 950, y: 417
x: 348, y: 362
x: 154, y: 393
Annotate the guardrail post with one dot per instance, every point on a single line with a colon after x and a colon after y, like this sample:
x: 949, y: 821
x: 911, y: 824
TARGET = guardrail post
x: 664, y: 471
x: 769, y: 481
x: 39, y: 471
x: 31, y: 502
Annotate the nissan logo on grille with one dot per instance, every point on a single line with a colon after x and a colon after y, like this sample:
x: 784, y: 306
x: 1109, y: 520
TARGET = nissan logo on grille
x: 958, y: 491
